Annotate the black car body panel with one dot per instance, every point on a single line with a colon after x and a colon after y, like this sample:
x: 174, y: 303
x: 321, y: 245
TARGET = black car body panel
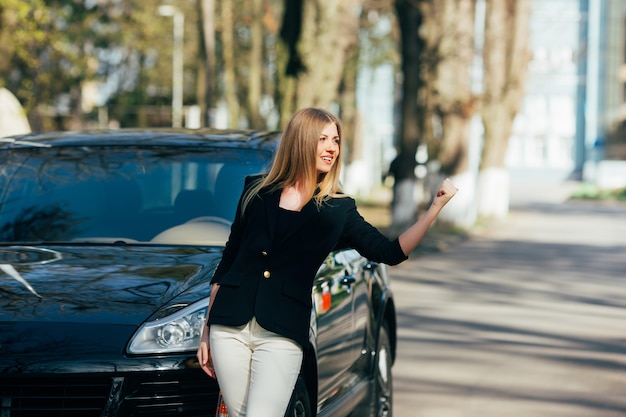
x: 108, y: 241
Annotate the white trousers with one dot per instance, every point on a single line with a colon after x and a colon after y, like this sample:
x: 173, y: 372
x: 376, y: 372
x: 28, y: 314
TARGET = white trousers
x: 256, y: 369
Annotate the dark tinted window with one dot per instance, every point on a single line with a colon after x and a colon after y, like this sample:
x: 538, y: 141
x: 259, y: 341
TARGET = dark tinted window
x: 106, y: 193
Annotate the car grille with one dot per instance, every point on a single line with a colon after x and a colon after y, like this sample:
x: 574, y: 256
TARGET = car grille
x: 195, y: 395
x: 139, y: 395
x: 53, y: 397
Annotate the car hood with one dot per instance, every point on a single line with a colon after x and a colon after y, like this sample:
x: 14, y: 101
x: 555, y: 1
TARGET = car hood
x: 124, y: 285
x: 74, y: 308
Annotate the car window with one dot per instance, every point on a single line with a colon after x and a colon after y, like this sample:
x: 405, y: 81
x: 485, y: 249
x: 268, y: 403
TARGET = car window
x: 133, y: 194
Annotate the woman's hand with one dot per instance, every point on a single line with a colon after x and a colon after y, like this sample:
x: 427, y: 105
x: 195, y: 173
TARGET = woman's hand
x: 446, y: 191
x: 204, y: 354
x: 204, y: 351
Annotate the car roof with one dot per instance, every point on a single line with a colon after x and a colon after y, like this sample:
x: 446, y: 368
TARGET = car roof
x: 250, y: 139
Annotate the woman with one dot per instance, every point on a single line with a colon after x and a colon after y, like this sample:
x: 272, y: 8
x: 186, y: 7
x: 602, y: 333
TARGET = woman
x: 286, y: 223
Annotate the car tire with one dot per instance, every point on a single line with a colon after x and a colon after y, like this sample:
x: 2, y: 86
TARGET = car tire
x: 383, y: 382
x: 380, y: 401
x: 299, y: 405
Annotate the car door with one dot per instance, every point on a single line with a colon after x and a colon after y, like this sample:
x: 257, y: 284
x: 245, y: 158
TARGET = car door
x: 333, y: 293
x: 357, y: 275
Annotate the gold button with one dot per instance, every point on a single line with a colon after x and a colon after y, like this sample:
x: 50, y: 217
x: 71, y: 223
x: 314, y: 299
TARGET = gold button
x: 266, y: 274
x: 264, y: 253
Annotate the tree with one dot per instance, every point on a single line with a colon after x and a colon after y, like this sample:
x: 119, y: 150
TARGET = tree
x: 255, y: 89
x: 447, y: 103
x: 317, y: 39
x: 451, y: 104
x: 229, y: 68
x: 410, y: 18
x: 506, y: 57
x: 33, y: 65
x: 245, y: 59
x: 55, y: 50
x: 449, y: 25
x: 437, y: 101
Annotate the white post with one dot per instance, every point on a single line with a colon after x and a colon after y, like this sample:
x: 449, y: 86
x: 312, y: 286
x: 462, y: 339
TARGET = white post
x: 177, y: 62
x: 177, y: 76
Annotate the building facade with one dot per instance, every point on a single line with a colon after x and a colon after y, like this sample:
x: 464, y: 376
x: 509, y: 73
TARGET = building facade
x: 571, y: 122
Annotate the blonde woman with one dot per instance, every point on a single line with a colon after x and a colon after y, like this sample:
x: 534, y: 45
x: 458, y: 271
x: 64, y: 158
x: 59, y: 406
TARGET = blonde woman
x: 287, y: 222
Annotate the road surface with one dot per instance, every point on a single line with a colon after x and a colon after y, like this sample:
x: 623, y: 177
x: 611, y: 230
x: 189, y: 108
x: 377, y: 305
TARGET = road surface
x: 525, y: 318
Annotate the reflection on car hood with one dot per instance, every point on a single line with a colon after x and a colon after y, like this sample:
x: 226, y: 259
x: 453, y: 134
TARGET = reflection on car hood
x: 104, y: 284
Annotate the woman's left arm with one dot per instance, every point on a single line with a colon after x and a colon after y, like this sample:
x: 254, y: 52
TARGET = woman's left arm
x: 412, y: 237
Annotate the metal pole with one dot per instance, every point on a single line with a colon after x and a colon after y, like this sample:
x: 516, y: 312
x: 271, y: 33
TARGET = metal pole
x: 177, y: 70
x: 177, y: 61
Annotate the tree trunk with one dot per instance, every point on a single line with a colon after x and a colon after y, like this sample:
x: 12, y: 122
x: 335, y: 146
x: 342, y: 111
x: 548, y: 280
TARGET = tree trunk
x: 348, y: 105
x: 230, y: 76
x: 449, y: 28
x: 255, y: 71
x: 505, y: 61
x: 329, y: 30
x: 403, y: 206
x: 453, y: 99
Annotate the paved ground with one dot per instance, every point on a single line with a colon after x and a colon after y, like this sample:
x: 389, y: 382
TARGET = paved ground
x: 525, y: 318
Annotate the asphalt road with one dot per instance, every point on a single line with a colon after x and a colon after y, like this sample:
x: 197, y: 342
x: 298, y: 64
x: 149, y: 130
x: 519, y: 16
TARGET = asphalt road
x: 525, y: 318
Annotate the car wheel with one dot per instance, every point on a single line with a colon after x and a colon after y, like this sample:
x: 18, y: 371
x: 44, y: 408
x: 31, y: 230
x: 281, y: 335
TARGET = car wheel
x: 380, y: 402
x: 383, y: 384
x: 299, y: 405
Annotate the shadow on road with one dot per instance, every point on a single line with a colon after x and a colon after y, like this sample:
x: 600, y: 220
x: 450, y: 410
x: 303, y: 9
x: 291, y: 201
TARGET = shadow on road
x: 527, y: 317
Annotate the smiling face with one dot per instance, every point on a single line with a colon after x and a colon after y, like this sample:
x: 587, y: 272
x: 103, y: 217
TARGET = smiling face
x: 327, y: 148
x: 309, y: 154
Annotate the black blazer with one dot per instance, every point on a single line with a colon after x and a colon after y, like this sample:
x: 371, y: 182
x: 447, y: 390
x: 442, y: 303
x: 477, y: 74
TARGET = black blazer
x: 271, y: 278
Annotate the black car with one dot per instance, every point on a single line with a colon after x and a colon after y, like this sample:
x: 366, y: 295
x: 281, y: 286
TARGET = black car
x: 108, y: 240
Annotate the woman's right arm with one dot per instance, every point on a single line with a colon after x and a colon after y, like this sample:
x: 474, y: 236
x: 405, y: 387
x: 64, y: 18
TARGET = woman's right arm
x: 234, y: 239
x: 228, y: 257
x: 204, y: 351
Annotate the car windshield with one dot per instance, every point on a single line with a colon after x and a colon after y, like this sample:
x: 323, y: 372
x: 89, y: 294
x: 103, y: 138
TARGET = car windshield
x: 122, y: 194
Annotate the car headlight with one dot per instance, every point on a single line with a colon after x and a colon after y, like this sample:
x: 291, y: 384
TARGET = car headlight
x: 178, y: 332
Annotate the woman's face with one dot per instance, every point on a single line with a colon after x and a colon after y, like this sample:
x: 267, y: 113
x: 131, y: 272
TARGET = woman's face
x: 327, y: 148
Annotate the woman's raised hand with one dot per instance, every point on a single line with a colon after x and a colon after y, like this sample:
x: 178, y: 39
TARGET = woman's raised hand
x: 446, y: 191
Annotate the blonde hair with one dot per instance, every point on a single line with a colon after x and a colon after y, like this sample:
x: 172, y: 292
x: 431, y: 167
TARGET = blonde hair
x: 295, y: 159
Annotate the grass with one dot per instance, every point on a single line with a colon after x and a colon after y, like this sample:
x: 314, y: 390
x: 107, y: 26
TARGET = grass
x: 588, y: 191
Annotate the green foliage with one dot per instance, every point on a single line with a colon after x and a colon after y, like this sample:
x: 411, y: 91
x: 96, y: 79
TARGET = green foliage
x: 620, y: 194
x: 53, y: 52
x: 29, y: 45
x: 588, y: 191
x: 50, y: 49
